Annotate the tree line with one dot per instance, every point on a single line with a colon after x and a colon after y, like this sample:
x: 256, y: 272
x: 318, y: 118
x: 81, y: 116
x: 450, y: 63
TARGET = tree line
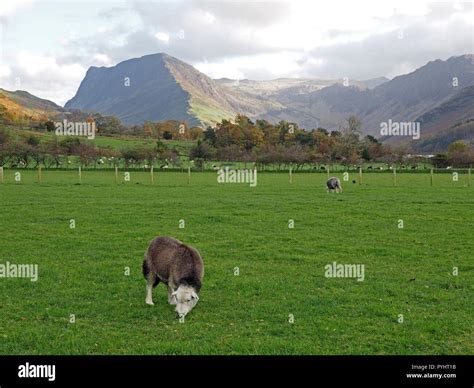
x: 240, y: 140
x: 285, y: 143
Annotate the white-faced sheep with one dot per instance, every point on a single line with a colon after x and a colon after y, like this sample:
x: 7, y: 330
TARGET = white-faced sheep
x: 177, y: 265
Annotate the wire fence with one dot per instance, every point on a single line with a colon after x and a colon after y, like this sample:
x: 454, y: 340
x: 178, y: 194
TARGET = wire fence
x: 394, y: 177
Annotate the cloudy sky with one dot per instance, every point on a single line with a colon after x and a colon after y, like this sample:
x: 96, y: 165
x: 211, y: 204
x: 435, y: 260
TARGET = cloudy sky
x: 47, y: 46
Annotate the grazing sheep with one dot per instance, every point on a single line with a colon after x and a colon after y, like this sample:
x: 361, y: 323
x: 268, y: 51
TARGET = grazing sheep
x: 334, y: 183
x: 178, y: 266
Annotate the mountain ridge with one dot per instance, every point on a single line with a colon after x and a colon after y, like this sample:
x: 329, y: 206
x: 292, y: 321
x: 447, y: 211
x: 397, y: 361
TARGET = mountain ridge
x: 161, y: 87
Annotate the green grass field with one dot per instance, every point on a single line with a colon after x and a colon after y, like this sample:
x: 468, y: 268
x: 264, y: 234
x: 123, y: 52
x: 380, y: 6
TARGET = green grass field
x: 408, y: 271
x: 115, y: 142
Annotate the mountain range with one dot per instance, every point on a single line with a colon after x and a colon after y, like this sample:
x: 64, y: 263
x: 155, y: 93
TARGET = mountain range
x: 162, y: 87
x: 159, y: 87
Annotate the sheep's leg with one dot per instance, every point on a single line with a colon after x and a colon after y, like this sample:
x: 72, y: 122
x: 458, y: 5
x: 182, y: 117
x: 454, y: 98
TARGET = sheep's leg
x: 171, y: 299
x: 149, y: 298
x: 151, y: 281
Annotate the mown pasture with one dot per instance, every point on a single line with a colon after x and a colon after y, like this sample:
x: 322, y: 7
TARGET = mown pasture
x: 265, y: 290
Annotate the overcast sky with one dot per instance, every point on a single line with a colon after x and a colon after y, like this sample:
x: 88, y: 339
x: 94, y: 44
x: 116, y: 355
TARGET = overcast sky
x: 47, y: 46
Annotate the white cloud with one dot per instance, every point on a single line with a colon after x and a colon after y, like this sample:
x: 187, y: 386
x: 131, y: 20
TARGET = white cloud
x: 272, y: 65
x: 102, y: 59
x: 42, y: 76
x: 9, y: 8
x: 161, y: 36
x: 235, y: 39
x: 5, y: 71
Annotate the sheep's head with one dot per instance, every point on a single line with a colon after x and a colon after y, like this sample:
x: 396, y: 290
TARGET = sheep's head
x: 186, y: 298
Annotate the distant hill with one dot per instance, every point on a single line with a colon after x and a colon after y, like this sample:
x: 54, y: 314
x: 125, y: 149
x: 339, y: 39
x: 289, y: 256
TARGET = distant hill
x: 23, y: 106
x: 374, y: 82
x: 164, y: 88
x: 161, y: 88
x: 440, y: 141
x: 407, y: 97
x: 328, y: 103
x: 404, y: 98
x: 456, y: 109
x: 445, y: 123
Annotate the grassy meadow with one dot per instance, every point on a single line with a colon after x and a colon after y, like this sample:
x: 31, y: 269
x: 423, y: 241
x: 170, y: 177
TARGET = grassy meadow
x: 259, y: 273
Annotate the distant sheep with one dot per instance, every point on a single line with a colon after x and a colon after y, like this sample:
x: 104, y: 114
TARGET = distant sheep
x: 177, y: 265
x: 334, y: 184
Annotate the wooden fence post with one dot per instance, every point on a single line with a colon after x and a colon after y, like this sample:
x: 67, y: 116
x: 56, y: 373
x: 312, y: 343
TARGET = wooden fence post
x: 80, y: 175
x: 431, y: 177
x: 116, y: 174
x: 1, y: 174
x: 39, y: 174
x: 151, y: 172
x: 360, y: 175
x: 469, y: 177
x: 394, y: 176
x: 189, y: 175
x: 290, y: 176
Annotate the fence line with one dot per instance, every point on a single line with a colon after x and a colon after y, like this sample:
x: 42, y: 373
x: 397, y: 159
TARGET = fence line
x: 432, y: 180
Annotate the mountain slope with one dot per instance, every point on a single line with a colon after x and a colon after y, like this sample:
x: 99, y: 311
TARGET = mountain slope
x: 165, y: 88
x: 161, y: 88
x: 407, y: 97
x: 439, y: 141
x: 456, y: 109
x: 404, y: 98
x: 21, y: 105
x: 135, y: 90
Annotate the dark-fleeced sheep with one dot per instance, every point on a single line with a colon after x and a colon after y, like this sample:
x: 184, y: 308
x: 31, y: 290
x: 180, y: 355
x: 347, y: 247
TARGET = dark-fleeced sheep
x: 333, y: 184
x: 177, y: 265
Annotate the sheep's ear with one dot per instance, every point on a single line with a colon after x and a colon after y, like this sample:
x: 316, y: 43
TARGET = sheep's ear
x: 195, y: 296
x: 174, y: 293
